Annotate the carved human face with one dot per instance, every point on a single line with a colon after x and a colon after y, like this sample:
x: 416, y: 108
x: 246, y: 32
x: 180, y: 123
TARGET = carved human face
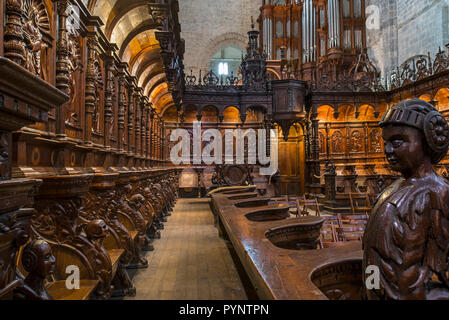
x: 46, y: 260
x: 97, y: 229
x: 404, y: 148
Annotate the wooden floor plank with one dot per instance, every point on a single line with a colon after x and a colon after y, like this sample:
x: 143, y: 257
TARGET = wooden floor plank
x: 190, y: 261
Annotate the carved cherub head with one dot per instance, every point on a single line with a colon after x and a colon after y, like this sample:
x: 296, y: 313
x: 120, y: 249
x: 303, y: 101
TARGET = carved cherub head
x: 38, y: 259
x: 416, y: 135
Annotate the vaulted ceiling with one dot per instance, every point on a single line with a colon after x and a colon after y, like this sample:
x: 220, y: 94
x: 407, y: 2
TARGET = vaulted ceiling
x: 128, y: 23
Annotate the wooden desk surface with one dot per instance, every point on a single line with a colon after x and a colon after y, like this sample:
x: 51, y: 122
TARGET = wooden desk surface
x: 276, y: 273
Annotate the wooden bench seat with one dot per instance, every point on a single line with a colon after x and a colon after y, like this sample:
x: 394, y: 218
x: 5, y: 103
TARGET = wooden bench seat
x: 114, y: 255
x: 58, y: 290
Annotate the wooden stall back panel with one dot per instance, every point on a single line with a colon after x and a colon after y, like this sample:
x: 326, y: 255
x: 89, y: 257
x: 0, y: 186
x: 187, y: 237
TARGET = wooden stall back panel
x: 292, y: 164
x: 64, y: 256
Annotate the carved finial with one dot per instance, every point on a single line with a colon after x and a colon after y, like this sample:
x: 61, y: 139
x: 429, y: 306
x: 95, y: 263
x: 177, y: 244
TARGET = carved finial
x: 252, y: 23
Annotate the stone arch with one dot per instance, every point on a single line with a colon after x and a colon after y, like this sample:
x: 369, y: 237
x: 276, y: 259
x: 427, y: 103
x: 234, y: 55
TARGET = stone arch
x: 226, y: 39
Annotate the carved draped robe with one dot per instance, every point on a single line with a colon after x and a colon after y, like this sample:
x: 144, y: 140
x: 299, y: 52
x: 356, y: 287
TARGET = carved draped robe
x: 407, y: 237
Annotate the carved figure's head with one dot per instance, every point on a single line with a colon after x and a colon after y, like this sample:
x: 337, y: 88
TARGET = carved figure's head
x: 137, y: 200
x: 38, y: 258
x: 97, y: 230
x: 414, y: 132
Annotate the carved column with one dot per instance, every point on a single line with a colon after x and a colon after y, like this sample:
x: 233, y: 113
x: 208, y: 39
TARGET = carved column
x: 328, y: 148
x: 153, y: 136
x: 90, y: 94
x: 14, y: 44
x: 62, y: 65
x: 366, y: 139
x: 108, y: 103
x: 143, y: 127
x: 330, y: 180
x: 151, y: 119
x: 147, y: 127
x: 160, y: 139
x: 130, y: 117
x: 121, y: 107
x: 137, y: 108
x: 315, y: 149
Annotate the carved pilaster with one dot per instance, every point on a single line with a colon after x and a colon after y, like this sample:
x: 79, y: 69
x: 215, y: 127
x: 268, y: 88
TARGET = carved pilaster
x: 130, y: 118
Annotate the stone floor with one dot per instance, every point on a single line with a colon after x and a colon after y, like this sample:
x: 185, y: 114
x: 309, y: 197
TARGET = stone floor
x: 190, y: 261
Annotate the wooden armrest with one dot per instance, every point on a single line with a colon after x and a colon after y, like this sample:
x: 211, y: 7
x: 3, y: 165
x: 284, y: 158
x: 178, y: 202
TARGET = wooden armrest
x: 6, y: 291
x: 59, y: 291
x: 133, y: 234
x: 115, y: 255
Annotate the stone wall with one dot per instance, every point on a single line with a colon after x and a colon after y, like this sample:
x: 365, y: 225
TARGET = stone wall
x: 210, y: 25
x: 407, y: 28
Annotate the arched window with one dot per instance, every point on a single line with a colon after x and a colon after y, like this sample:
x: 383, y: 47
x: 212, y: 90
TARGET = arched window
x: 223, y: 68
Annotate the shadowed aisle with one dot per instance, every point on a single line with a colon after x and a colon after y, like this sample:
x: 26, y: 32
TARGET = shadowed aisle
x: 190, y: 261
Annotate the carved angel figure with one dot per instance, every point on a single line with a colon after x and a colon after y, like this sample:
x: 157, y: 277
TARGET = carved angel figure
x: 407, y: 236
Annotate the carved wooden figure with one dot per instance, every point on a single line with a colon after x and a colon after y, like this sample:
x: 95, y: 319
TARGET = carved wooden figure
x: 39, y: 262
x: 407, y: 235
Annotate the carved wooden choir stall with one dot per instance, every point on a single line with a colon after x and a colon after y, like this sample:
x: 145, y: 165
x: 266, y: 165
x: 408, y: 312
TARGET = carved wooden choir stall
x: 86, y: 113
x: 84, y: 178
